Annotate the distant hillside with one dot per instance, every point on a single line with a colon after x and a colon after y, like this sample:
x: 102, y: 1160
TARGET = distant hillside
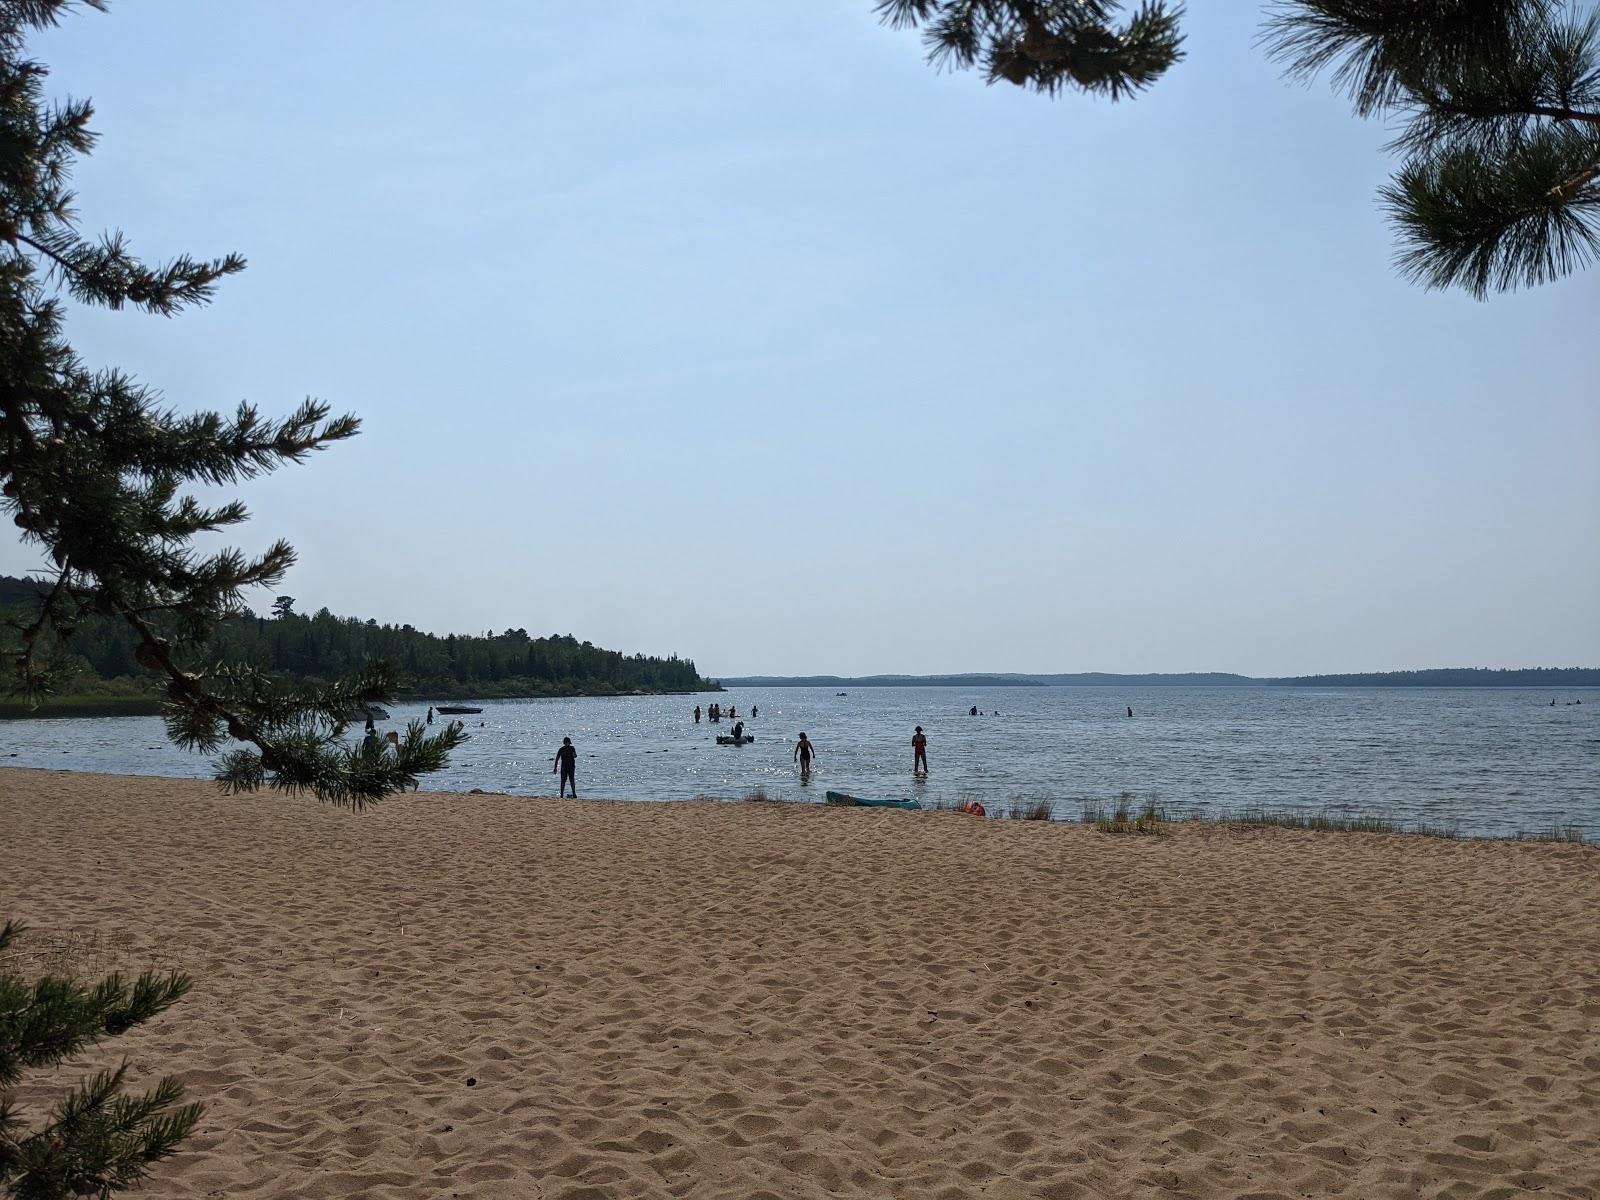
x: 1088, y: 679
x: 882, y: 681
x: 1454, y: 677
x: 1442, y: 677
x: 1158, y: 679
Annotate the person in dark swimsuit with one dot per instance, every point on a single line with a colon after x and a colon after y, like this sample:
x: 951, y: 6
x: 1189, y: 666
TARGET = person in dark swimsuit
x: 567, y: 764
x: 802, y: 755
x: 697, y: 714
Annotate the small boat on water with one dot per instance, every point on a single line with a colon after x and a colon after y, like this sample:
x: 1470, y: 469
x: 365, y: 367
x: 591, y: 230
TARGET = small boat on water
x: 736, y: 741
x: 848, y: 801
x: 454, y: 710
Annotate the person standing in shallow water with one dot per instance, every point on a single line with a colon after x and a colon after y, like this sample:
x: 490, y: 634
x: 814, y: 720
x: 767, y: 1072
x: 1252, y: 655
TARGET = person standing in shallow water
x: 697, y: 714
x: 802, y: 755
x: 919, y: 751
x: 567, y: 764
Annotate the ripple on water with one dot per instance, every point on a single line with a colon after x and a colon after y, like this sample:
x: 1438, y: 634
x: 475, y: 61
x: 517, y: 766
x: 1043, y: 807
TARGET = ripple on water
x: 1489, y: 761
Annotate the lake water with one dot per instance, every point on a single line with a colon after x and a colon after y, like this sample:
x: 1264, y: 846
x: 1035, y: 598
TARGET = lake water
x: 1485, y: 761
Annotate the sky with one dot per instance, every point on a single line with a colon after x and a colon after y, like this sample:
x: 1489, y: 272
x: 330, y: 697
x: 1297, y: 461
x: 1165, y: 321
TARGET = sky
x: 736, y: 331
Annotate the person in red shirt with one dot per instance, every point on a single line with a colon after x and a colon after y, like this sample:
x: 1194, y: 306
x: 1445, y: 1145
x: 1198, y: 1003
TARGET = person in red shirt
x: 919, y: 751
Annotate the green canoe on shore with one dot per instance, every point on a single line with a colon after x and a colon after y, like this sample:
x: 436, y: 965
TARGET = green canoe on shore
x: 847, y: 800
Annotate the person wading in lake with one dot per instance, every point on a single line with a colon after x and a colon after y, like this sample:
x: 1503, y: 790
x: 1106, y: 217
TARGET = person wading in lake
x: 919, y: 751
x: 697, y: 714
x: 567, y: 764
x: 802, y: 755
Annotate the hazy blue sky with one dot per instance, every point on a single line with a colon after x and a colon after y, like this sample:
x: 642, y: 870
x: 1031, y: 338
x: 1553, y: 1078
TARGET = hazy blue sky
x: 733, y: 329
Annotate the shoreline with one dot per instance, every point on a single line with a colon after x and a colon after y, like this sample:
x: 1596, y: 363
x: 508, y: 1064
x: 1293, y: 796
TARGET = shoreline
x: 87, y: 706
x: 504, y: 996
x: 1090, y: 812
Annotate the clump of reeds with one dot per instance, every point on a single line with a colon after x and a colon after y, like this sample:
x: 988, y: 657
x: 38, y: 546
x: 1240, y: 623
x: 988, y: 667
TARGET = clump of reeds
x: 1557, y: 833
x: 1251, y: 818
x: 1030, y: 808
x: 1124, y: 817
x: 758, y: 795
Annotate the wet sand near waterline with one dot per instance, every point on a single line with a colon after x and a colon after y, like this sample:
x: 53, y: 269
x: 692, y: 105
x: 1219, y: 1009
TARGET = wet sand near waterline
x: 479, y: 996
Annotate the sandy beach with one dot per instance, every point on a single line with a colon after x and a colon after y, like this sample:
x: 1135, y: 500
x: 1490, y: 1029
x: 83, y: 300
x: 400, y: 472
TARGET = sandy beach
x: 477, y: 996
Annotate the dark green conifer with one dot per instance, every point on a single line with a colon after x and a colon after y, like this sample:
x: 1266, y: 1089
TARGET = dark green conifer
x: 1498, y: 103
x: 1498, y: 106
x: 93, y: 471
x: 97, y: 1140
x: 1047, y: 45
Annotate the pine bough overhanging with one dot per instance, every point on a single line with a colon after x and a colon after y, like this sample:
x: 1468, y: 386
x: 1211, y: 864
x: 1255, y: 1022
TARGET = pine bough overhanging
x: 1497, y: 101
x: 94, y: 470
x: 1498, y: 105
x: 97, y: 1140
x: 1047, y: 45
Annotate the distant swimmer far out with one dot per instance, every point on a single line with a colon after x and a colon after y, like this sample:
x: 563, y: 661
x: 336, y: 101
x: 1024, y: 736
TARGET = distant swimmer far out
x: 1130, y: 710
x: 919, y: 751
x: 567, y: 764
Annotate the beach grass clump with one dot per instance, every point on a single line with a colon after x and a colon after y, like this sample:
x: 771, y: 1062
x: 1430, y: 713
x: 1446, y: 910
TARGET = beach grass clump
x: 1572, y: 834
x: 1030, y: 808
x: 759, y: 795
x: 1126, y: 815
x: 1258, y: 818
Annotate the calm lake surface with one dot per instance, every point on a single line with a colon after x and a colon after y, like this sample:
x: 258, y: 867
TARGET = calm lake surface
x: 1485, y: 761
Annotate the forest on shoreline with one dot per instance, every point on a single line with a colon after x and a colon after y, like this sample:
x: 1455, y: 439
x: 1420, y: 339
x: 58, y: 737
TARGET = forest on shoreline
x: 104, y: 678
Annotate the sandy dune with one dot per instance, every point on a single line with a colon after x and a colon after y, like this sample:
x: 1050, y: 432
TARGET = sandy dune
x: 488, y: 997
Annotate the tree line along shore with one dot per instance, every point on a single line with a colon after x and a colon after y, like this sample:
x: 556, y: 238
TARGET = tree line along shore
x: 100, y: 674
